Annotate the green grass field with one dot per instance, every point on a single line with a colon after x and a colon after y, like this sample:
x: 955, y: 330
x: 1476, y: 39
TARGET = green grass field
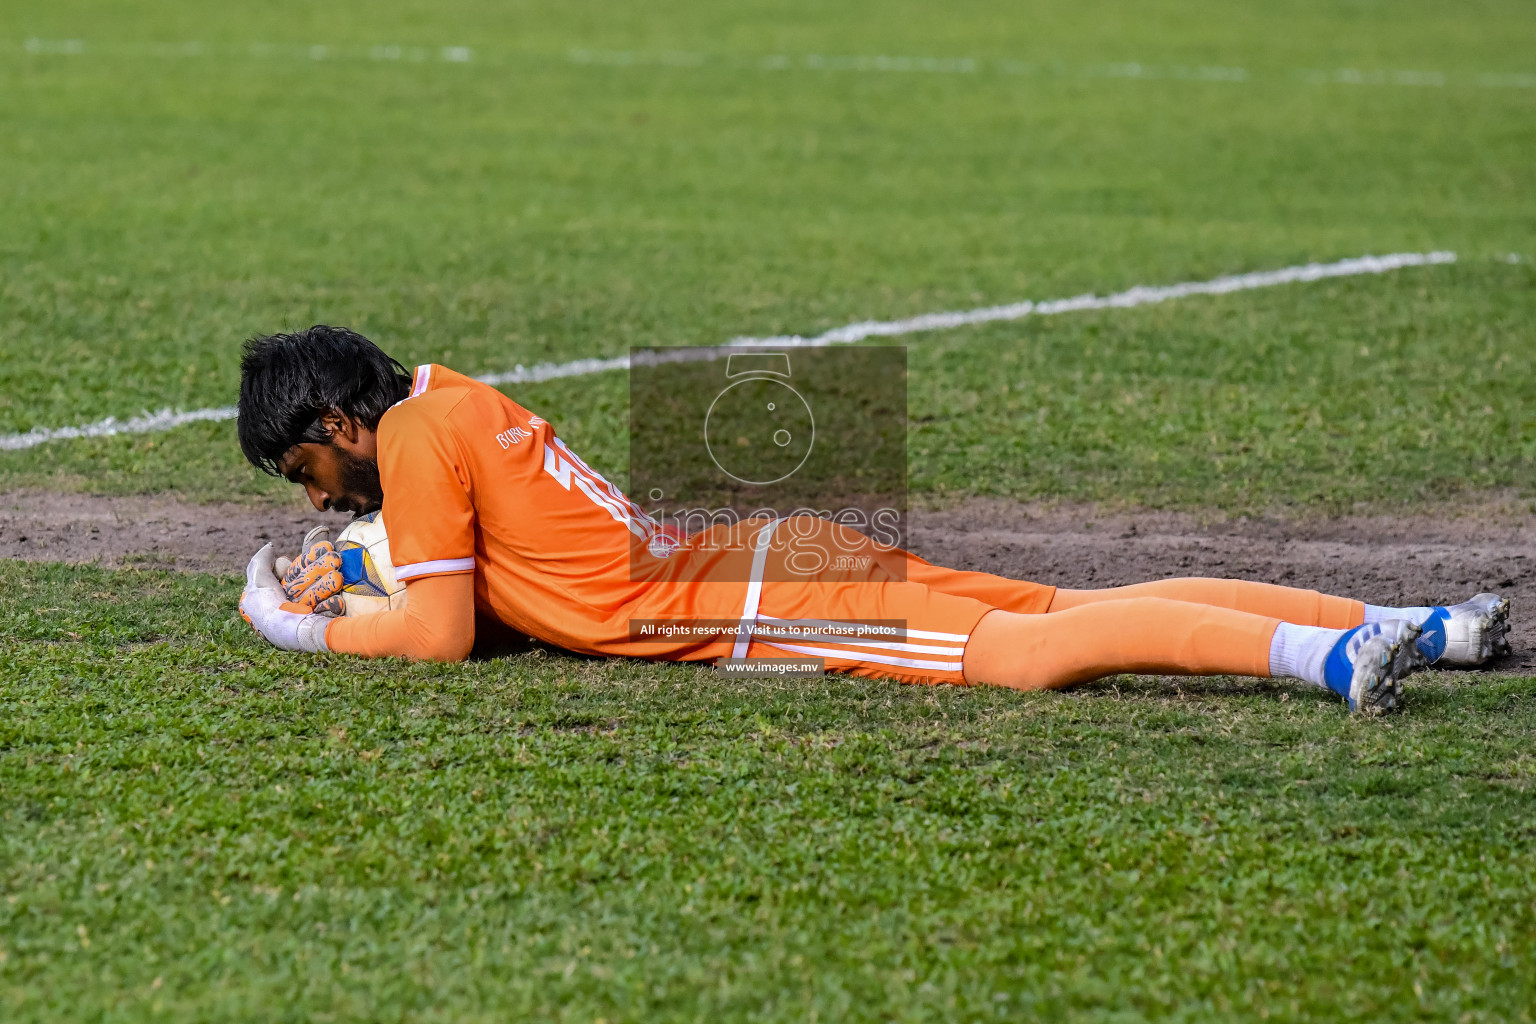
x: 193, y: 827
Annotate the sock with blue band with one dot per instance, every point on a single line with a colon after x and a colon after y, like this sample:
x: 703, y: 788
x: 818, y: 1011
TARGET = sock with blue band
x: 1431, y: 642
x: 1339, y: 666
x: 1322, y: 657
x: 1304, y: 652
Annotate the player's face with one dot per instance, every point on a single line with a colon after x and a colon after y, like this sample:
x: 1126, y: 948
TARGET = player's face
x: 341, y: 475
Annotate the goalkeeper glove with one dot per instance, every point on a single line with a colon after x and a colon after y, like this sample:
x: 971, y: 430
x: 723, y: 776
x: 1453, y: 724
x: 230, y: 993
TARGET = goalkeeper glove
x: 314, y: 579
x: 283, y: 624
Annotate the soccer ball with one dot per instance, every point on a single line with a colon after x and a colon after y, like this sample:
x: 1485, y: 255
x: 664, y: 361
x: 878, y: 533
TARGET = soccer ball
x: 365, y: 566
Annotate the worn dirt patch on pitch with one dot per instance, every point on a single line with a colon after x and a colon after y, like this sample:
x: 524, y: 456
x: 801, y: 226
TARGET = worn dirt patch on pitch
x: 1426, y: 558
x: 148, y: 531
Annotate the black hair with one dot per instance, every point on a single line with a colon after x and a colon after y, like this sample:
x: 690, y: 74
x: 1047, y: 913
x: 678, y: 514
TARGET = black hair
x: 289, y: 381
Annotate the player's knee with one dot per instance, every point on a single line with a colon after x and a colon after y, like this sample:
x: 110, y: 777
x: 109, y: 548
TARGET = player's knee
x: 449, y: 648
x: 997, y: 653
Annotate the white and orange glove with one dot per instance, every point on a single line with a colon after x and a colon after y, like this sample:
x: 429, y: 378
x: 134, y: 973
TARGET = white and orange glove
x: 314, y: 579
x: 282, y: 623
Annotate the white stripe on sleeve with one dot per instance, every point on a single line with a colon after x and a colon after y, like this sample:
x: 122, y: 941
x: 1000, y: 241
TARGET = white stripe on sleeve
x: 405, y: 572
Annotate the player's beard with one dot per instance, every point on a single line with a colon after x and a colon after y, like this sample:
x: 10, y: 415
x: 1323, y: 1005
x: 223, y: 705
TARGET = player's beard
x: 361, y: 491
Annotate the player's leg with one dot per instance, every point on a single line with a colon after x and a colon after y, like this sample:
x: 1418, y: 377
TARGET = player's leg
x: 944, y: 637
x: 1161, y: 636
x: 1020, y: 596
x: 1154, y: 635
x: 1469, y: 633
x: 1462, y: 634
x: 1288, y: 604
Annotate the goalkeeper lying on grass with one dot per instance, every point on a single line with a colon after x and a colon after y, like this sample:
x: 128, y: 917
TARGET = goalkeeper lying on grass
x: 488, y: 511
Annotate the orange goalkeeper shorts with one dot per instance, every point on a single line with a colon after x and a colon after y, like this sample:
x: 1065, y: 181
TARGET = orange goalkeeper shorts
x: 865, y: 619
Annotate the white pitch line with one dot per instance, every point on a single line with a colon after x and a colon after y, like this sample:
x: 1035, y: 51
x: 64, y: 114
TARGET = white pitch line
x: 149, y: 423
x: 1141, y: 295
x: 880, y: 63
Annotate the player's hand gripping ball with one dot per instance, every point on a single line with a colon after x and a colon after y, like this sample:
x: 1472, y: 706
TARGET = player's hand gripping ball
x: 352, y: 577
x: 283, y: 624
x: 315, y: 579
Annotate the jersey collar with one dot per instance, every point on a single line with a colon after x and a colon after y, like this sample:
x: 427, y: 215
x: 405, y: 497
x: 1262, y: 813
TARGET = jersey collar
x: 423, y: 380
x: 420, y: 381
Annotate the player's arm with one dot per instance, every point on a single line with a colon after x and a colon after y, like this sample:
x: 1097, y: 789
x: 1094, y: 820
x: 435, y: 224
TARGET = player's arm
x: 431, y: 521
x: 436, y: 624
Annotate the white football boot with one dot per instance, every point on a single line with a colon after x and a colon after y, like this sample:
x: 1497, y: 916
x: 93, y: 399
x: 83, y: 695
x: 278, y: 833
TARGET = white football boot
x: 1466, y: 634
x: 1368, y: 664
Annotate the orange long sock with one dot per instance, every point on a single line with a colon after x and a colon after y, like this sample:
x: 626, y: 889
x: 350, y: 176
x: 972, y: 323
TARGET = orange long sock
x: 1144, y: 634
x: 1288, y: 604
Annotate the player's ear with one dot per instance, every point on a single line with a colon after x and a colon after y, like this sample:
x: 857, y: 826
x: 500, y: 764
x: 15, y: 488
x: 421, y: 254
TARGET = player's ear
x: 339, y: 425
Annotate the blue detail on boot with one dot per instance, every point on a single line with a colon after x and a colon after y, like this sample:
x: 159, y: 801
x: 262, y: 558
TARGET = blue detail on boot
x: 1431, y: 642
x: 1338, y: 670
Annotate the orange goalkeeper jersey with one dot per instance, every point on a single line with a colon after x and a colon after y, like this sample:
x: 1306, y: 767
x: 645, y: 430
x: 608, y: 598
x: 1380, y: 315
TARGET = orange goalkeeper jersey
x: 473, y: 482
